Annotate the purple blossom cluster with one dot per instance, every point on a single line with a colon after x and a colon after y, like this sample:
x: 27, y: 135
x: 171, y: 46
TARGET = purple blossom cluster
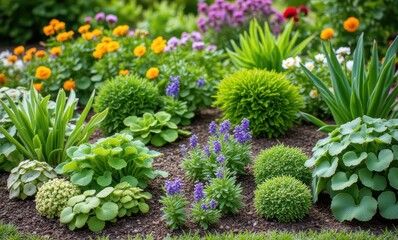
x: 217, y: 147
x: 198, y: 193
x: 241, y: 132
x: 221, y: 159
x: 223, y: 14
x: 213, y: 204
x: 194, y: 37
x: 184, y: 150
x: 193, y: 141
x: 173, y: 187
x: 174, y: 87
x: 201, y: 82
x: 110, y: 19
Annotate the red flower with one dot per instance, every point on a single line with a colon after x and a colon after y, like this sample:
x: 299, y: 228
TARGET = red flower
x: 296, y: 19
x: 290, y: 12
x: 303, y: 9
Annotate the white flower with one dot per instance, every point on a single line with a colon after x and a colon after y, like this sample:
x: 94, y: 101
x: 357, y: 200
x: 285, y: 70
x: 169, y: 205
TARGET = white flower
x: 5, y: 54
x: 343, y: 51
x: 319, y: 57
x: 19, y: 64
x: 340, y: 59
x: 313, y: 93
x: 331, y: 90
x: 288, y: 63
x: 349, y: 65
x: 309, y: 65
x: 325, y: 62
x: 297, y: 61
x: 6, y: 63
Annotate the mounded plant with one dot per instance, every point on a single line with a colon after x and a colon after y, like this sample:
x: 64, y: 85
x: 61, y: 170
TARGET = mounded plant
x: 125, y: 96
x: 27, y: 177
x: 53, y: 196
x: 266, y: 98
x: 357, y: 166
x: 178, y: 110
x: 284, y: 199
x: 281, y: 160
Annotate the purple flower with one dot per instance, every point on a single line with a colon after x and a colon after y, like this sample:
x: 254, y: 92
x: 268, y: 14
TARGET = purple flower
x: 211, y: 48
x: 88, y: 19
x: 173, y: 42
x: 221, y: 159
x: 204, y: 206
x: 217, y: 146
x: 111, y: 19
x: 219, y: 173
x: 207, y: 150
x: 201, y: 82
x: 184, y: 150
x: 213, y: 128
x: 202, y: 7
x: 174, y: 87
x: 245, y: 124
x: 198, y: 192
x: 173, y: 187
x: 193, y: 141
x: 213, y: 204
x: 100, y: 16
x: 198, y: 46
x: 241, y: 133
x: 225, y: 126
x: 196, y: 36
x: 185, y: 35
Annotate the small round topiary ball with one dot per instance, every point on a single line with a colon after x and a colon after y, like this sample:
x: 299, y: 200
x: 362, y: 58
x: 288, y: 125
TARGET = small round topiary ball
x: 53, y: 197
x: 125, y: 96
x: 284, y: 199
x: 266, y: 98
x: 281, y: 160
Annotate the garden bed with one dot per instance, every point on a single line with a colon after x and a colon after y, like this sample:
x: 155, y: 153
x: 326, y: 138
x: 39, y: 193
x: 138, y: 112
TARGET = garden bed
x: 27, y: 219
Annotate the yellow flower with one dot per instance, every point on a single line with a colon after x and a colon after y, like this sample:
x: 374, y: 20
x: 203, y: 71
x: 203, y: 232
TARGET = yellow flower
x: 27, y: 57
x: 152, y: 73
x: 30, y: 51
x: 101, y: 47
x: 327, y: 33
x: 351, y: 24
x: 158, y: 45
x: 87, y: 36
x: 124, y: 72
x: 40, y: 54
x: 54, y: 22
x: 97, y: 32
x: 48, y: 30
x: 38, y: 86
x: 3, y: 78
x: 98, y: 54
x: 59, y: 26
x: 84, y: 28
x: 112, y: 46
x: 62, y: 37
x: 106, y: 39
x: 120, y: 30
x: 19, y: 50
x: 43, y: 73
x: 70, y: 33
x: 56, y: 51
x: 12, y: 59
x: 139, y: 51
x: 69, y: 84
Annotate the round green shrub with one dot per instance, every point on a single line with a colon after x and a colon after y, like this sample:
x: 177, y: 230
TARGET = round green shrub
x: 125, y: 96
x: 266, y: 98
x: 284, y: 199
x: 53, y: 197
x: 281, y: 160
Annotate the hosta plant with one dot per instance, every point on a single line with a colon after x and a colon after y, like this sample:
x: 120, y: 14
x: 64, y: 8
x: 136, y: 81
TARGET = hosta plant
x: 27, y: 177
x: 107, y: 205
x: 110, y: 161
x: 53, y: 197
x: 357, y: 166
x: 157, y: 129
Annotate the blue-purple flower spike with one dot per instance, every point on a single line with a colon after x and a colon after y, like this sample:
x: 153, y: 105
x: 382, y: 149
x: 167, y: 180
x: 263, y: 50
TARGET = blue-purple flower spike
x: 184, y: 150
x: 225, y: 127
x: 201, y: 82
x: 198, y: 192
x: 174, y: 87
x: 221, y: 159
x: 193, y: 141
x: 219, y: 173
x: 207, y: 150
x: 204, y: 206
x: 213, y: 128
x: 213, y: 204
x: 173, y: 187
x: 217, y: 146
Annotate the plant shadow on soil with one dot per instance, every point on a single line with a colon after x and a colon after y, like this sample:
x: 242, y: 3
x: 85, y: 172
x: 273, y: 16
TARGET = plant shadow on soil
x: 24, y: 215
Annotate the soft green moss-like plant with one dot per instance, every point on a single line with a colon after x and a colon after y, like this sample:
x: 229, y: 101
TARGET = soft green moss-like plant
x: 284, y: 199
x: 53, y: 196
x: 27, y: 177
x: 266, y: 98
x: 125, y: 96
x: 281, y: 160
x: 357, y: 166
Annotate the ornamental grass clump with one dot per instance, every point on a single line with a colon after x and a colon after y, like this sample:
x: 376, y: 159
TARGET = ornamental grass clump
x: 284, y: 199
x: 281, y: 160
x: 265, y: 98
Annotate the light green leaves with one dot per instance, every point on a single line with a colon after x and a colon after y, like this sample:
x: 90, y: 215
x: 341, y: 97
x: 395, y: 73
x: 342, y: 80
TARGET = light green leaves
x: 388, y: 205
x: 351, y: 159
x: 326, y: 169
x: 340, y: 180
x: 380, y: 162
x: 376, y: 182
x: 344, y: 207
x: 107, y: 211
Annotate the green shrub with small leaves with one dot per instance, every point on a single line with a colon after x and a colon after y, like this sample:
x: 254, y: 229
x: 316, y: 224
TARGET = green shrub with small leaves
x: 53, y: 197
x: 284, y: 199
x: 27, y: 177
x: 173, y: 209
x: 267, y: 99
x: 180, y: 114
x: 204, y: 214
x: 281, y: 160
x: 125, y: 96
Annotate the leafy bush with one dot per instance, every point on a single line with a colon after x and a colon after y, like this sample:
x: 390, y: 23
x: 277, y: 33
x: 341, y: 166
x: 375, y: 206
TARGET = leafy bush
x: 27, y: 177
x: 158, y: 128
x: 284, y: 199
x: 106, y: 205
x: 45, y: 135
x: 53, y: 197
x: 178, y: 110
x: 356, y: 165
x: 366, y: 93
x: 125, y: 96
x: 261, y: 49
x: 110, y: 161
x: 266, y: 98
x: 280, y: 160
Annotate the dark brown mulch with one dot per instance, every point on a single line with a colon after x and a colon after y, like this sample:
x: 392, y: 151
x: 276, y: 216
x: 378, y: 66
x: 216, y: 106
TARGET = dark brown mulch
x: 26, y: 218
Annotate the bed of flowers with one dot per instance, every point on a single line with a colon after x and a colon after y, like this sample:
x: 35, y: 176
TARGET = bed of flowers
x: 256, y: 120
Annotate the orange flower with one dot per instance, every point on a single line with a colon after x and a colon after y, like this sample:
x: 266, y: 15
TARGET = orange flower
x: 101, y: 47
x: 27, y: 57
x: 152, y: 73
x: 70, y: 33
x: 124, y: 72
x: 59, y: 26
x: 38, y: 86
x: 327, y: 33
x: 54, y: 22
x: 69, y: 84
x: 19, y: 50
x: 40, y: 54
x: 84, y: 28
x: 98, y: 54
x: 87, y: 36
x: 158, y: 45
x: 62, y: 37
x: 43, y: 73
x: 56, y: 51
x: 3, y: 78
x: 112, y: 46
x: 30, y: 51
x: 120, y: 30
x: 106, y: 39
x: 139, y: 51
x: 351, y: 24
x: 12, y: 59
x: 97, y: 32
x: 48, y: 30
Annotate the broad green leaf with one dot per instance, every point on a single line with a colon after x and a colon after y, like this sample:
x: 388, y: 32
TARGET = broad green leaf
x: 107, y: 211
x: 105, y: 192
x: 170, y: 135
x: 29, y: 189
x: 66, y: 215
x: 105, y: 179
x: 117, y: 163
x: 130, y: 180
x: 158, y: 141
x: 351, y: 159
x: 337, y: 147
x: 82, y: 178
x: 376, y: 182
x: 393, y: 177
x: 340, y: 180
x: 380, y: 162
x: 144, y: 208
x: 388, y: 205
x: 76, y: 199
x: 30, y: 175
x: 95, y: 225
x: 81, y: 220
x: 326, y: 169
x: 344, y: 207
